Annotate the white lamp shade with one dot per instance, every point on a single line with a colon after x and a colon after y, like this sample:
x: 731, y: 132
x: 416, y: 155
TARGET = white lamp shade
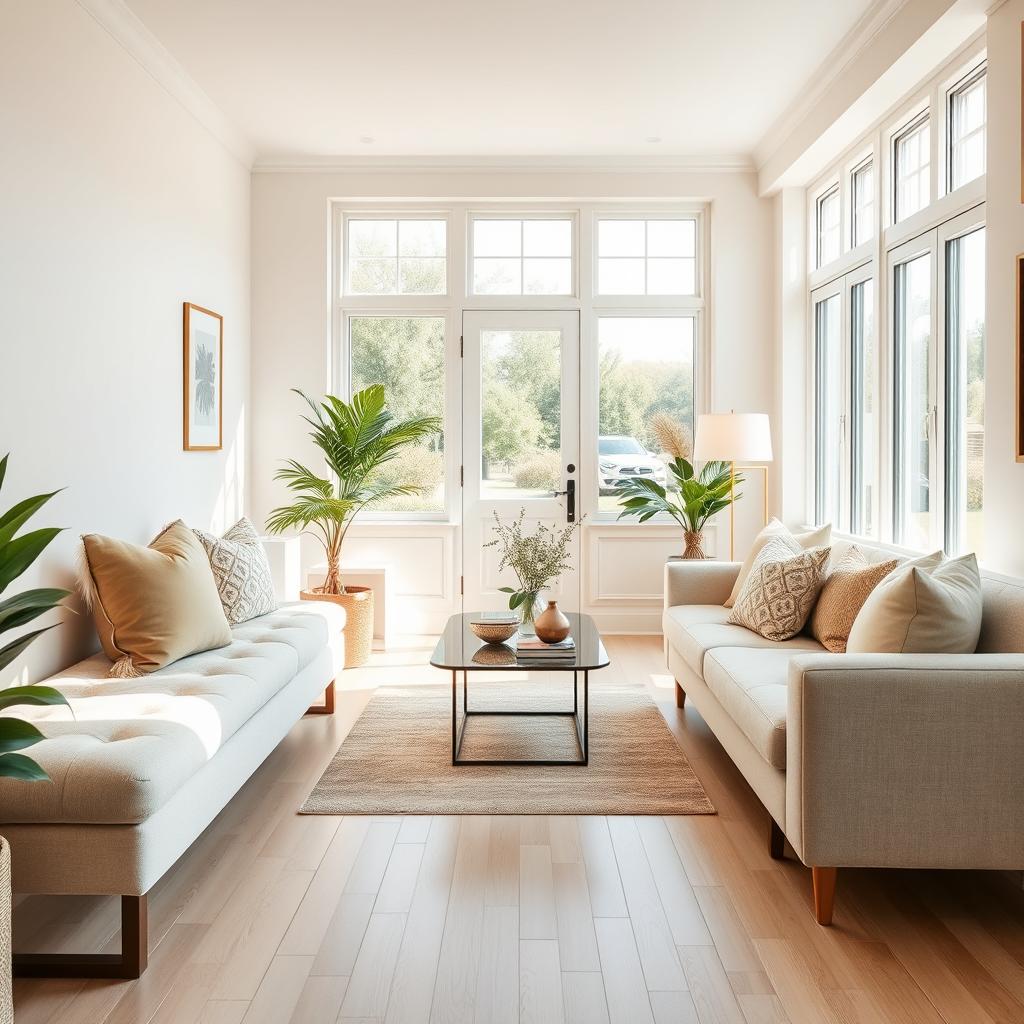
x: 733, y: 437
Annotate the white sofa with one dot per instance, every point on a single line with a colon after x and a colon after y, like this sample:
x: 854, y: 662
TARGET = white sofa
x: 140, y: 767
x: 867, y: 760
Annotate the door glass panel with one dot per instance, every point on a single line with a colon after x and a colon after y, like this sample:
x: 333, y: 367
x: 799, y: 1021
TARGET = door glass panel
x: 521, y: 409
x: 828, y: 408
x: 863, y: 411
x: 965, y: 392
x: 646, y: 367
x: 913, y: 406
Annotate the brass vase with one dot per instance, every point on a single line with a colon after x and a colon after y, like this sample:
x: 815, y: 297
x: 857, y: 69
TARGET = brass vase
x: 694, y: 544
x: 551, y: 625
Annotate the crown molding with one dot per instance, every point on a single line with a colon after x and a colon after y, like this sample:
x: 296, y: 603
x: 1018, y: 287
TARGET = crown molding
x: 632, y: 164
x: 125, y: 28
x: 871, y: 23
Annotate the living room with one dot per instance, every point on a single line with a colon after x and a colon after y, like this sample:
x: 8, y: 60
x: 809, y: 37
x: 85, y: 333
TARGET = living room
x: 508, y: 519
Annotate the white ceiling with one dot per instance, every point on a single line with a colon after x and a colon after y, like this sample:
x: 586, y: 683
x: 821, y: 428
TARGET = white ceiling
x: 307, y: 79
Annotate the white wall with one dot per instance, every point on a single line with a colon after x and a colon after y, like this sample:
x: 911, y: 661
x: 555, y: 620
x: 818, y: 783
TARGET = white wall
x: 115, y: 207
x: 1004, y: 477
x: 292, y: 323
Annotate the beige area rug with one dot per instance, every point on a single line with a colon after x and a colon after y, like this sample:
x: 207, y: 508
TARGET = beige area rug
x: 397, y: 758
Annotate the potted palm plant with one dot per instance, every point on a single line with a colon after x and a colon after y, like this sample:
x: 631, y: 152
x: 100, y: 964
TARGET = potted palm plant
x: 17, y: 553
x: 689, y: 497
x: 356, y: 439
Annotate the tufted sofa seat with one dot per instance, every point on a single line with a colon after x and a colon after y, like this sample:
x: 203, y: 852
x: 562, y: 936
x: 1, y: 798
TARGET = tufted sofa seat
x: 125, y: 746
x: 139, y: 767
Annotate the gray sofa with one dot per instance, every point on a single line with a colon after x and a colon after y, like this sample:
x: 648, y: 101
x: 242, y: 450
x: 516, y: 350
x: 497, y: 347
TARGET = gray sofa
x: 909, y: 761
x: 139, y: 767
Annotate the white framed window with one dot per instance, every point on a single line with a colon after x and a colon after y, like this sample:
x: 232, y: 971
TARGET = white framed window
x: 827, y: 220
x: 655, y: 256
x: 911, y: 161
x: 512, y: 255
x: 862, y: 202
x: 864, y: 406
x: 966, y: 114
x: 395, y: 256
x: 829, y: 404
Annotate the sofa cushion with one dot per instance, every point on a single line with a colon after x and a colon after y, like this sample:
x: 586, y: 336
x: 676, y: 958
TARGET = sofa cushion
x: 241, y: 571
x: 693, y: 629
x: 126, y: 745
x: 751, y: 686
x: 820, y: 536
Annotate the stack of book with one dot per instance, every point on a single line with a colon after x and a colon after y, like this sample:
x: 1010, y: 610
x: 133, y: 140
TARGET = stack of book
x: 531, y: 651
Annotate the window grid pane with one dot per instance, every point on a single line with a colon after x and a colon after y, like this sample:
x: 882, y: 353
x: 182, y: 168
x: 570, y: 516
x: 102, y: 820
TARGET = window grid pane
x: 406, y: 355
x: 967, y: 118
x: 647, y: 257
x: 516, y: 256
x: 912, y: 160
x: 828, y: 409
x: 646, y: 368
x: 863, y: 412
x: 829, y: 242
x: 863, y: 189
x: 397, y: 257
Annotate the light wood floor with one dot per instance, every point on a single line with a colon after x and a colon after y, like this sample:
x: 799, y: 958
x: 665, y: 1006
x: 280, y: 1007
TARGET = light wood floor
x: 274, y: 917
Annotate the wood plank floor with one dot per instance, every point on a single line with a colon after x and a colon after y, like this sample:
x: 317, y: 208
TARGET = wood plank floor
x: 273, y: 917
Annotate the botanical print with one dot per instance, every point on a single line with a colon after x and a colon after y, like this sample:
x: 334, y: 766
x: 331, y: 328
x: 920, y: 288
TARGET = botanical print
x: 204, y: 380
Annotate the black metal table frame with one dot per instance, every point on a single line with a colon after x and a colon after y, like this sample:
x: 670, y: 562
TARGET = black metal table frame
x: 582, y: 723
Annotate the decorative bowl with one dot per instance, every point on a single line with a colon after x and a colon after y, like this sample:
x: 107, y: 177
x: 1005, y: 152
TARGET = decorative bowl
x: 493, y: 632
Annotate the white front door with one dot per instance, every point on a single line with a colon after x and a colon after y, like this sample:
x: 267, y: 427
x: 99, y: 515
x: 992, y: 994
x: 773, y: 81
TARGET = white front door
x: 520, y: 443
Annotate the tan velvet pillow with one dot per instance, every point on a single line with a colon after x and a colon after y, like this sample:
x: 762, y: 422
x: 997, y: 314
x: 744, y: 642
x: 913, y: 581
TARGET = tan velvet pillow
x: 820, y: 536
x: 152, y: 605
x: 781, y: 589
x: 846, y: 589
x: 922, y: 607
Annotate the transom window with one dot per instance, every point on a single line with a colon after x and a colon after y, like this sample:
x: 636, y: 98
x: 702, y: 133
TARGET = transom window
x: 967, y: 130
x: 646, y: 257
x: 862, y: 185
x: 912, y: 166
x: 396, y: 257
x: 829, y: 235
x: 528, y: 256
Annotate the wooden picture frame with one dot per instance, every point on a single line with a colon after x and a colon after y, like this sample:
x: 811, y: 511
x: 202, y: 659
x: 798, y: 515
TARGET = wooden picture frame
x: 1019, y: 367
x: 202, y: 379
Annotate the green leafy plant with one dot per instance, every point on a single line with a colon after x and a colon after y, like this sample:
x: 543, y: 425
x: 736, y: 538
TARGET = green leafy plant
x: 17, y: 553
x: 536, y: 558
x: 691, y: 499
x: 357, y: 439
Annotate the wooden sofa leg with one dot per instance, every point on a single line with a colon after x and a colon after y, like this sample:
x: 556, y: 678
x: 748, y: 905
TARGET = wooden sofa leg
x: 129, y: 963
x: 776, y: 841
x: 824, y: 882
x: 680, y: 695
x: 327, y: 708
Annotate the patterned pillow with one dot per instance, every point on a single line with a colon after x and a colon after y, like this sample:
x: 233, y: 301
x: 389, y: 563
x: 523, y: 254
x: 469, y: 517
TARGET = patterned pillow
x: 847, y: 588
x: 781, y: 589
x: 241, y: 570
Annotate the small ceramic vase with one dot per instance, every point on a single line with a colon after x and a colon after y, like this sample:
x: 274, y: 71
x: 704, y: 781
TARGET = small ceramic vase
x: 551, y: 625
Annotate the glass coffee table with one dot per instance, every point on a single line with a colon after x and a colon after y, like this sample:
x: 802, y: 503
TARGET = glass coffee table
x: 460, y: 652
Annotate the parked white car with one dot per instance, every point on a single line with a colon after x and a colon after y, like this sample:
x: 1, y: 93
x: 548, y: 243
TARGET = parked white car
x: 620, y: 457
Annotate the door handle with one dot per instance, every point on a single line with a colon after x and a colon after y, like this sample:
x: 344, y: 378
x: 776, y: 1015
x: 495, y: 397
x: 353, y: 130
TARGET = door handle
x: 570, y: 500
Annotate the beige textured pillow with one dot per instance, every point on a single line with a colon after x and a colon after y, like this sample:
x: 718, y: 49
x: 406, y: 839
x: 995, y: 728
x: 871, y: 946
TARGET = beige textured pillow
x: 845, y: 590
x: 241, y: 571
x: 781, y: 589
x: 923, y: 607
x: 820, y: 536
x: 152, y: 605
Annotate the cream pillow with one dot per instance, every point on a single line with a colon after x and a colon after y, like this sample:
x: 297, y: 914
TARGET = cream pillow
x: 924, y: 607
x: 781, y: 589
x: 152, y: 605
x: 820, y: 536
x: 847, y: 587
x: 241, y: 571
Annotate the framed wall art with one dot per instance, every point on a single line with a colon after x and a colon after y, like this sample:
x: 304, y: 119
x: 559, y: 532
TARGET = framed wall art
x: 203, y: 384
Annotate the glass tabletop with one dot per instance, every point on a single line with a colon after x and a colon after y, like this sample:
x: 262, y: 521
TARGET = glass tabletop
x: 459, y: 648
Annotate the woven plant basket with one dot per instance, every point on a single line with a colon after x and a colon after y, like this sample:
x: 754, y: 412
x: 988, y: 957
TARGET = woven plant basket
x: 358, y: 631
x: 6, y: 998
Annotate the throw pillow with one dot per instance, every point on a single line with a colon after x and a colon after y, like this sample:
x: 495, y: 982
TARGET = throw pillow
x: 845, y: 590
x: 241, y: 572
x: 152, y: 605
x: 781, y: 589
x: 924, y: 607
x: 818, y: 537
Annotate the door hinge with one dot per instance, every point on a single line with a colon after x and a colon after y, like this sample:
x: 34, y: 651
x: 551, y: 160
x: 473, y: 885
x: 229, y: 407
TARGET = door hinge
x: 462, y: 476
x: 462, y: 346
x: 462, y: 584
